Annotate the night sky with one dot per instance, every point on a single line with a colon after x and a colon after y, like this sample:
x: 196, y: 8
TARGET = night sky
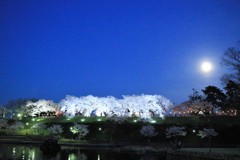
x: 53, y: 48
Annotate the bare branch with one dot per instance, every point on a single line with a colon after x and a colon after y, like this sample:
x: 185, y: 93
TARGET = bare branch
x: 231, y: 59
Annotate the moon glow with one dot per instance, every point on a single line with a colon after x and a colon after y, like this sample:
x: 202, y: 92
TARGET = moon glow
x: 206, y: 67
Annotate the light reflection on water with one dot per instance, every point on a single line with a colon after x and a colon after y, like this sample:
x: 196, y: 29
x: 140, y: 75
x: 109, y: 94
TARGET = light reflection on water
x: 28, y: 152
x: 18, y: 152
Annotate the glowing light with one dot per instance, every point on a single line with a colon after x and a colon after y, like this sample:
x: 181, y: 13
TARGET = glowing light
x: 206, y: 67
x: 72, y: 156
x: 134, y: 120
x: 100, y: 129
x: 33, y: 155
x: 39, y: 119
x: 153, y: 121
x: 99, y: 119
x: 82, y: 120
x: 14, y: 150
x: 27, y: 124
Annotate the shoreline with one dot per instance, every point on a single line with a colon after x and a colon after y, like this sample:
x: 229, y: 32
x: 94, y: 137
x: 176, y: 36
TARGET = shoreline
x: 137, y: 149
x: 22, y: 139
x: 14, y: 141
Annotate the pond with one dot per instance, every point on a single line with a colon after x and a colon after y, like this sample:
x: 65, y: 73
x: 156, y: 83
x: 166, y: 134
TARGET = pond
x: 28, y: 152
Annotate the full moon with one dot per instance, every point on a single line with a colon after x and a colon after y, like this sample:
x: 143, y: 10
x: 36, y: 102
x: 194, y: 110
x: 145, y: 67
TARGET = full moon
x: 206, y: 67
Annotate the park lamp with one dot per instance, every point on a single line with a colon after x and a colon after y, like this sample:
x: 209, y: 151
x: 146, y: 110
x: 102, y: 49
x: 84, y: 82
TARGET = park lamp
x: 19, y: 116
x: 153, y: 121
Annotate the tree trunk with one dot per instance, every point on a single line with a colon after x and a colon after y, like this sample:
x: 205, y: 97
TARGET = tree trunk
x: 210, y: 149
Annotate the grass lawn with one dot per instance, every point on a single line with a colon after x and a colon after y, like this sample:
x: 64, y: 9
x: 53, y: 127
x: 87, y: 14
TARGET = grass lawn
x: 232, y: 151
x: 157, y: 120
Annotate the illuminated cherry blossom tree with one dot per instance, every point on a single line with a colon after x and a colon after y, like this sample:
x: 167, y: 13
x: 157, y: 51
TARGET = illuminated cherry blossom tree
x: 80, y: 129
x: 35, y: 108
x: 143, y: 106
x: 148, y: 131
x: 55, y: 130
x: 198, y: 107
x: 175, y: 131
x: 208, y: 133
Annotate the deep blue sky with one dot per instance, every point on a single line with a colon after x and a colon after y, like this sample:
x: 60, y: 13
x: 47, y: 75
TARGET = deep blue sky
x: 53, y: 48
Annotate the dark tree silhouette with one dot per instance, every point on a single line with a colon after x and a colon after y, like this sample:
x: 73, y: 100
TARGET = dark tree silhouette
x: 215, y: 96
x: 231, y: 59
x: 195, y: 96
x: 233, y: 94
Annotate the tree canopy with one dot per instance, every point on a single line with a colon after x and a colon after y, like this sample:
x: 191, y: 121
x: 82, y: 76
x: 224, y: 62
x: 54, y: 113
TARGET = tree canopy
x: 231, y: 59
x: 214, y: 95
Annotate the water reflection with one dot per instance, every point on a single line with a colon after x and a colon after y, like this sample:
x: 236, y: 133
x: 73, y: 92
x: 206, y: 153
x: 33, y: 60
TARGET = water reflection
x: 18, y: 152
x: 27, y: 152
x: 77, y: 156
